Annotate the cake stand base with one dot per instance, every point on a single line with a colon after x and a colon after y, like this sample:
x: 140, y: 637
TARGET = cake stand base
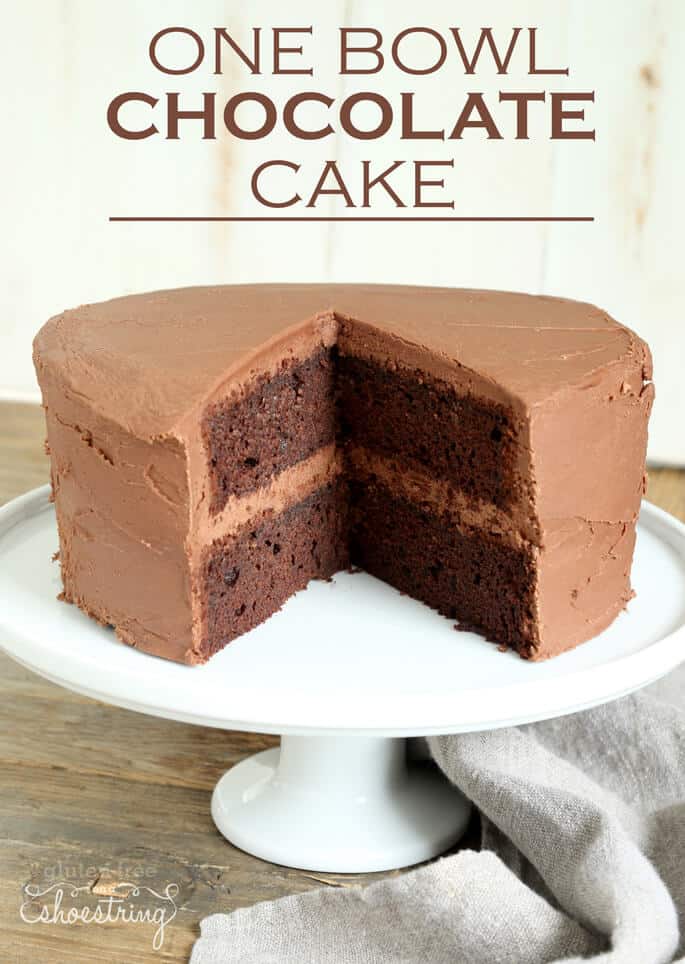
x: 339, y: 804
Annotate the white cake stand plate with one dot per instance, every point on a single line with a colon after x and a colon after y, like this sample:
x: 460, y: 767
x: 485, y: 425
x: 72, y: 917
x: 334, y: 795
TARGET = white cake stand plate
x: 345, y: 673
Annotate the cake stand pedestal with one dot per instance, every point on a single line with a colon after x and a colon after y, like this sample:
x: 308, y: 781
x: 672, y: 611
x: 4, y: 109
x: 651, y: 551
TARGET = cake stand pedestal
x: 342, y: 804
x: 345, y: 673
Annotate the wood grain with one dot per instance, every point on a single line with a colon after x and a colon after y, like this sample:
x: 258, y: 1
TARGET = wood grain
x: 94, y: 794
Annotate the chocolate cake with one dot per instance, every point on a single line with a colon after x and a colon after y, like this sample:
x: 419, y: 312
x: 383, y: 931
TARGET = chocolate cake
x: 214, y: 449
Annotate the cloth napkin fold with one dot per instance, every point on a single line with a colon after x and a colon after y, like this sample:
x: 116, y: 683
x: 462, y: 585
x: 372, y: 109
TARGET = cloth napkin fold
x: 582, y: 856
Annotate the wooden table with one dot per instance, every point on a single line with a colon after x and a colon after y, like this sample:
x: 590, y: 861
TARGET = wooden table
x: 96, y: 795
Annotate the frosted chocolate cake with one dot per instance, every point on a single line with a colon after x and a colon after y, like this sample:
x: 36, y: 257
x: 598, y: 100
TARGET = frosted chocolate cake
x: 214, y: 449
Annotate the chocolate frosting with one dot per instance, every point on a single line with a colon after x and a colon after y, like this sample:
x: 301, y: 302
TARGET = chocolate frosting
x: 147, y: 360
x: 125, y: 384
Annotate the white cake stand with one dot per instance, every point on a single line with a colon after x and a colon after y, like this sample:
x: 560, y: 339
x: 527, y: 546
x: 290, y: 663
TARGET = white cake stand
x: 345, y: 673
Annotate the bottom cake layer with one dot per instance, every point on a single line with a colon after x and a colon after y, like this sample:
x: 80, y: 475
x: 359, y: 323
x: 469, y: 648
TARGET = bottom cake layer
x: 248, y: 576
x: 468, y: 575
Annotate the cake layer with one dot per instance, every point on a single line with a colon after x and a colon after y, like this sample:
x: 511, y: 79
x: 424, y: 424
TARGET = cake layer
x: 276, y: 495
x: 249, y: 575
x: 465, y: 573
x: 581, y: 569
x: 276, y: 422
x: 469, y: 442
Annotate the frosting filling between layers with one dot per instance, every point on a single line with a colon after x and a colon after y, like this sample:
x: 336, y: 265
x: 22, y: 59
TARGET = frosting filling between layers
x: 438, y: 496
x: 290, y: 486
x: 295, y: 483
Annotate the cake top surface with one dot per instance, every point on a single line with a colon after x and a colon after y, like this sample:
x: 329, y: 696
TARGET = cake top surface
x: 148, y: 360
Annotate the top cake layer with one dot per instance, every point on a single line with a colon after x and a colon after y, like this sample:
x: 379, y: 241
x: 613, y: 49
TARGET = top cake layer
x: 148, y: 361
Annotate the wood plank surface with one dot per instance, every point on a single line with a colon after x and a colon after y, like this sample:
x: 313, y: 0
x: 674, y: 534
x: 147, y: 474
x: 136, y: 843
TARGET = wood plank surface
x: 96, y: 795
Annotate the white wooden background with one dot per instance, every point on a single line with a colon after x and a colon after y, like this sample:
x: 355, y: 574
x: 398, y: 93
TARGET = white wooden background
x: 62, y: 172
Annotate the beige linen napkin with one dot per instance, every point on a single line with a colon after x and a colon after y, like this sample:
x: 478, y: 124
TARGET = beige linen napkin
x: 582, y: 855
